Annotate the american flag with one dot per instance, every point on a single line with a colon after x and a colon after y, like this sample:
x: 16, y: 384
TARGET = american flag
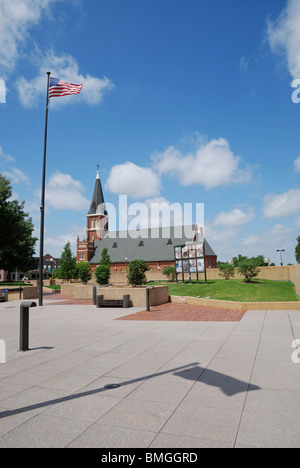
x: 61, y: 88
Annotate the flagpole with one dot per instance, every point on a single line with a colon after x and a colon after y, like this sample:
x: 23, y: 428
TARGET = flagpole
x: 43, y: 201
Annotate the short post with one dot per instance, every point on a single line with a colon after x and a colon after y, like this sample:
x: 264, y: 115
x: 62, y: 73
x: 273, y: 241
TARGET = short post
x: 126, y: 301
x: 94, y: 294
x: 24, y: 325
x: 148, y: 289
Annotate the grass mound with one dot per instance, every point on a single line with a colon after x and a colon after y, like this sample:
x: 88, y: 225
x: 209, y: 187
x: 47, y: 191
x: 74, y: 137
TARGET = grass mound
x: 260, y: 290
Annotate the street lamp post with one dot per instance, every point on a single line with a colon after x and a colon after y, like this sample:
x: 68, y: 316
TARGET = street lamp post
x: 51, y: 269
x: 282, y: 250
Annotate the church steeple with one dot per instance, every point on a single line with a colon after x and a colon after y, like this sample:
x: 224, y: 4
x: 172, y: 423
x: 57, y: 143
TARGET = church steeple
x: 98, y: 198
x: 97, y: 223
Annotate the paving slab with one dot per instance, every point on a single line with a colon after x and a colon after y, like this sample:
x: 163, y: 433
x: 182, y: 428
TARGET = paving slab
x: 108, y: 378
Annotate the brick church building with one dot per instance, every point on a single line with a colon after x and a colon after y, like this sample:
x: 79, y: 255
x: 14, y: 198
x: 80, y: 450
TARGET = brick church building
x: 151, y: 245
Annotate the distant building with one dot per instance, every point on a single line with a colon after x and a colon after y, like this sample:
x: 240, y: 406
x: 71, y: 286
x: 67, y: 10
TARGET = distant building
x: 50, y: 264
x: 154, y: 246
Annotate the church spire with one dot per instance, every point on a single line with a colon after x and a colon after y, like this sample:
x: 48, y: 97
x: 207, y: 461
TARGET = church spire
x: 98, y: 198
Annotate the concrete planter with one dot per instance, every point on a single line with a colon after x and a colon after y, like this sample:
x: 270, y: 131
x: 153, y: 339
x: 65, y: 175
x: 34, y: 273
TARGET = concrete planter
x: 158, y: 295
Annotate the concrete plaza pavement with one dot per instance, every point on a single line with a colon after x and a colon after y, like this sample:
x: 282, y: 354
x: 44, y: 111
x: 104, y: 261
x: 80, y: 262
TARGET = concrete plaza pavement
x: 90, y: 380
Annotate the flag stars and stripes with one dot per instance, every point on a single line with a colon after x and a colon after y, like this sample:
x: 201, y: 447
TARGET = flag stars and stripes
x: 59, y: 88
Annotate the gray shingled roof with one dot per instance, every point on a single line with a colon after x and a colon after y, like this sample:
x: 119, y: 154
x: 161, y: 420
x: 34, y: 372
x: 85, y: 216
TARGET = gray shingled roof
x: 151, y: 245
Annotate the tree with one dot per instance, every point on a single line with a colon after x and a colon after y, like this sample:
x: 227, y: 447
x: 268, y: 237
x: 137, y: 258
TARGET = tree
x: 239, y: 259
x: 105, y: 258
x: 67, y: 263
x: 259, y: 260
x: 17, y: 245
x: 136, y: 275
x: 170, y: 272
x: 102, y: 273
x: 297, y: 250
x: 83, y: 270
x: 248, y: 269
x: 227, y: 270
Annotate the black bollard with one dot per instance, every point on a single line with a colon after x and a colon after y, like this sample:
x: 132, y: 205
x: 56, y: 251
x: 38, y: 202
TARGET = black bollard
x: 148, y: 301
x: 24, y: 325
x: 94, y: 295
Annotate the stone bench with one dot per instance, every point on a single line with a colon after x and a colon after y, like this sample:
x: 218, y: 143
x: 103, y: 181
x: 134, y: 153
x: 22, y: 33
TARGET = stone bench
x: 125, y: 302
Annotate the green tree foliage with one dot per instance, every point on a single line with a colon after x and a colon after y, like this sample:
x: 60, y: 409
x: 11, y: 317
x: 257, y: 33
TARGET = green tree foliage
x: 83, y: 271
x: 170, y: 272
x: 136, y: 275
x: 227, y: 270
x: 17, y: 245
x: 297, y: 250
x: 105, y: 258
x: 102, y: 272
x: 67, y: 269
x: 248, y: 269
x: 258, y: 261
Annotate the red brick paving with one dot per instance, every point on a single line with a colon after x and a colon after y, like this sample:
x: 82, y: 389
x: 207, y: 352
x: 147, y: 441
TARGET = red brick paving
x: 167, y: 312
x: 187, y: 312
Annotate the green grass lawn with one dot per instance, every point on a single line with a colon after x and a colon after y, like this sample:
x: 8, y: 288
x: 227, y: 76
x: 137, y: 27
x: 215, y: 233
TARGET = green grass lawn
x: 54, y: 286
x: 236, y: 290
x: 13, y: 284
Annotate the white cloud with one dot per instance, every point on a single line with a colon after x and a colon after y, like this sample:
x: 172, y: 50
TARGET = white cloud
x: 33, y: 208
x: 229, y: 243
x: 284, y: 36
x: 134, y: 181
x: 211, y: 165
x: 267, y: 243
x: 2, y: 92
x: 225, y: 228
x: 297, y: 164
x: 244, y: 64
x: 6, y: 157
x: 16, y: 18
x: 16, y: 176
x: 65, y: 193
x: 284, y: 204
x: 55, y: 244
x: 66, y: 68
x: 233, y: 219
x: 298, y: 222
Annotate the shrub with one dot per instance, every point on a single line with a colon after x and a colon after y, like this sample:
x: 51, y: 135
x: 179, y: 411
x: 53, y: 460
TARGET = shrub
x: 226, y: 270
x: 102, y: 273
x: 83, y: 271
x: 136, y: 275
x: 170, y: 272
x: 248, y: 269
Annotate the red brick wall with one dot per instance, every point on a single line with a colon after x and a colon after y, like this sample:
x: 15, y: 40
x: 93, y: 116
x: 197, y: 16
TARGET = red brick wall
x: 211, y: 262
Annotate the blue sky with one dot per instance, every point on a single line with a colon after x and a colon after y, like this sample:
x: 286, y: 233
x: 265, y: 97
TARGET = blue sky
x: 182, y: 101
